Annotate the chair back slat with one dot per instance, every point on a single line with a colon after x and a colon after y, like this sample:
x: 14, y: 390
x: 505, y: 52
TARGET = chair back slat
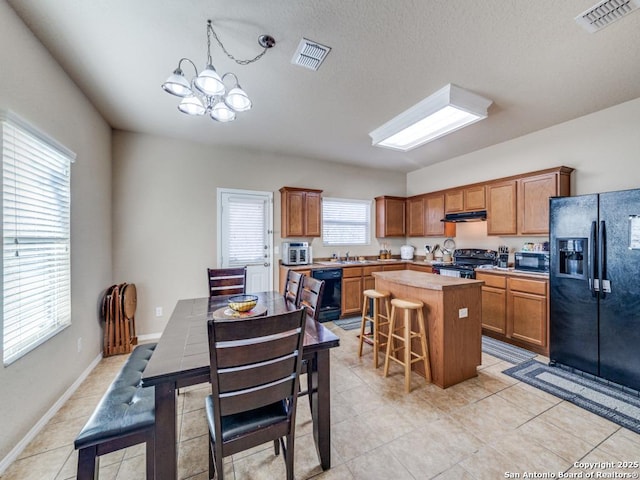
x: 254, y: 327
x: 226, y: 281
x: 251, y: 353
x: 250, y: 399
x: 242, y: 378
x: 311, y: 296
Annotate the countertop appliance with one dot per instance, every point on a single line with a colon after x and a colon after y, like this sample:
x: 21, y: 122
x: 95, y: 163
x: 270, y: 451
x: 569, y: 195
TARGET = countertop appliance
x: 465, y: 260
x: 331, y: 302
x: 536, y: 262
x: 406, y: 252
x: 594, y: 285
x: 296, y: 253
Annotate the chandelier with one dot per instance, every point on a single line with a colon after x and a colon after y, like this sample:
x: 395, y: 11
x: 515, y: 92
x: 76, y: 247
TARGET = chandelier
x: 208, y: 92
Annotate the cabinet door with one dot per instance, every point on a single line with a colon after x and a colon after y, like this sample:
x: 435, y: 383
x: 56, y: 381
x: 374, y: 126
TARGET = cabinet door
x: 415, y: 217
x: 292, y: 214
x: 390, y: 217
x: 454, y: 201
x: 533, y: 203
x: 474, y: 198
x: 528, y: 314
x: 501, y: 208
x: 351, y: 295
x: 434, y: 212
x: 313, y: 214
x: 494, y: 309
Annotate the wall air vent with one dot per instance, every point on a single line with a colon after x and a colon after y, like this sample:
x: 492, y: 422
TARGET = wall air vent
x: 605, y: 13
x: 310, y: 54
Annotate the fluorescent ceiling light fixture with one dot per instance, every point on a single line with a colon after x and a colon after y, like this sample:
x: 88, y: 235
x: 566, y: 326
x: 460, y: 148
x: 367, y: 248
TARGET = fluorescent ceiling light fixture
x: 446, y: 111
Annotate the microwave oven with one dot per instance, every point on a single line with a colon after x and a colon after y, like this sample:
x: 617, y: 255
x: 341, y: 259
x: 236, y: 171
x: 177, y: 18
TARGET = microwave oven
x: 537, y: 262
x: 296, y: 253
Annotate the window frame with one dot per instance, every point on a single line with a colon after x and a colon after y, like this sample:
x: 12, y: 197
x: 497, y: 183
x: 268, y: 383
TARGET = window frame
x: 47, y: 245
x: 365, y: 222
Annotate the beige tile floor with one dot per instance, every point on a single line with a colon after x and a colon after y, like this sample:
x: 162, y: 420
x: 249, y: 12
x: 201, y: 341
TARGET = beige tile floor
x: 489, y: 427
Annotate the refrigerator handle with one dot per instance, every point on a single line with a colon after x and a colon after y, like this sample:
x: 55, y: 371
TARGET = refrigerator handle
x: 602, y: 274
x: 592, y: 260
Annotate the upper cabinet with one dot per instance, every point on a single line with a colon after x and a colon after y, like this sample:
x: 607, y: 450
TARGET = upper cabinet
x: 533, y: 199
x: 390, y: 216
x: 520, y: 205
x: 501, y: 208
x: 301, y: 212
x: 424, y: 216
x: 467, y: 199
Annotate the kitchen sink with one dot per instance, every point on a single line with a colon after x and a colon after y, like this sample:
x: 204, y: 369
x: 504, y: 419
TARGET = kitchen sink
x: 345, y: 262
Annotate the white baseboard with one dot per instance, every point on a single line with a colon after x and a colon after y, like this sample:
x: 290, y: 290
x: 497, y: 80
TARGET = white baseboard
x: 17, y: 450
x: 151, y: 336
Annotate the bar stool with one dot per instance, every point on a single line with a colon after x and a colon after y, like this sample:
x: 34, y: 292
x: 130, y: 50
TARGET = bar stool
x: 405, y: 339
x: 374, y: 297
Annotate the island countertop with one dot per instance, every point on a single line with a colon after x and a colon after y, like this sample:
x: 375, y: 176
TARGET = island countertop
x: 427, y: 281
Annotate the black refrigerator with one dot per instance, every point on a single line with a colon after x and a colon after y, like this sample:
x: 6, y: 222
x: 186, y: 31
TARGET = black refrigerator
x: 595, y: 285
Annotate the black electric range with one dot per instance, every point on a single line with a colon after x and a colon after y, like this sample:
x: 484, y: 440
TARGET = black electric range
x: 465, y: 261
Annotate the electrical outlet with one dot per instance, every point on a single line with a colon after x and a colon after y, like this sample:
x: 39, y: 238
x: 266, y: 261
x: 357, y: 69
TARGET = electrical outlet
x: 463, y: 313
x: 276, y: 250
x: 79, y: 344
x: 158, y: 311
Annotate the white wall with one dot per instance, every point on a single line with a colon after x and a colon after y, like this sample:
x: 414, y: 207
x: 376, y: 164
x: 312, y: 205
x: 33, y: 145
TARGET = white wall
x: 165, y: 210
x: 604, y: 149
x: 33, y: 86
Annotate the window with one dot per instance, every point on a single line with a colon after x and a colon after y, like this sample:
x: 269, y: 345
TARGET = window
x: 346, y: 222
x: 36, y: 293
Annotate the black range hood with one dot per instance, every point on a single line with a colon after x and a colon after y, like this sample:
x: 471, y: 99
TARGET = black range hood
x: 477, y: 216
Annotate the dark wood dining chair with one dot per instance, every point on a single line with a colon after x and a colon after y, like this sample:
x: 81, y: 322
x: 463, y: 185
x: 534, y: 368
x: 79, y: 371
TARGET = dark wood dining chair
x: 255, y: 375
x: 293, y: 288
x: 311, y: 296
x: 227, y: 281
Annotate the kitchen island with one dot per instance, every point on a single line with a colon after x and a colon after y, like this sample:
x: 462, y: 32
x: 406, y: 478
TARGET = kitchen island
x: 453, y: 316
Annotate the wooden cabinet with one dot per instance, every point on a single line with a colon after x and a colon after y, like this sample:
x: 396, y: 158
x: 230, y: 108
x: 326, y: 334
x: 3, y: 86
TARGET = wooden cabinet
x: 351, y: 290
x: 465, y: 199
x: 494, y: 302
x: 301, y: 212
x: 520, y: 206
x: 420, y: 268
x: 390, y: 216
x: 434, y: 213
x: 514, y: 309
x: 501, y: 208
x: 533, y: 200
x: 415, y: 216
x: 527, y: 309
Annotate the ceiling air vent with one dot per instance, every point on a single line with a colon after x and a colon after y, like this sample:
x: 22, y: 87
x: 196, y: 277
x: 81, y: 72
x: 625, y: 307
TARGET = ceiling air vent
x: 605, y: 13
x: 310, y: 54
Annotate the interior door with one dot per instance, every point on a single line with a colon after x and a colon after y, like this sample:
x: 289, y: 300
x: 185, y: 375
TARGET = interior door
x: 245, y: 235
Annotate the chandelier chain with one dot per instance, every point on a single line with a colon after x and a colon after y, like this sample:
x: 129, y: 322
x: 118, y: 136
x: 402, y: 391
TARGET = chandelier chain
x: 239, y: 62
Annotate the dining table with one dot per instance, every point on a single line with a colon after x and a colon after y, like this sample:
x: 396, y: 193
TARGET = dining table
x: 181, y: 358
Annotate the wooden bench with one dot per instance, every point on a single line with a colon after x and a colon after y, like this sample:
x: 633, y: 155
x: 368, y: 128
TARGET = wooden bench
x: 124, y: 417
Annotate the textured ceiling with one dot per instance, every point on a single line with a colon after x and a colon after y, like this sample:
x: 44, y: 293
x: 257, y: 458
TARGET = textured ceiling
x: 530, y: 57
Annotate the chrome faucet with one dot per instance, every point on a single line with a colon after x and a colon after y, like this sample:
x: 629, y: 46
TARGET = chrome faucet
x: 346, y: 258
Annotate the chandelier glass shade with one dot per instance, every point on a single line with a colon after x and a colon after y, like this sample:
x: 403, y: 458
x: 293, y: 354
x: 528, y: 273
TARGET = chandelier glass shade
x: 208, y: 92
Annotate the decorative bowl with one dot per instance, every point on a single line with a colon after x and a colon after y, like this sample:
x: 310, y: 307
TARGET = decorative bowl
x: 243, y: 303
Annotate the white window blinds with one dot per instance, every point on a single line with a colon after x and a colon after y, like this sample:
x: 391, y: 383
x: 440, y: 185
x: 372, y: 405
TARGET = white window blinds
x: 246, y: 229
x: 345, y: 222
x: 36, y: 233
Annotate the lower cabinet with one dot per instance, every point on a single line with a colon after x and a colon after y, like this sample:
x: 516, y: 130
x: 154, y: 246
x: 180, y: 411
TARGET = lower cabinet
x: 351, y: 290
x: 420, y: 268
x: 514, y: 309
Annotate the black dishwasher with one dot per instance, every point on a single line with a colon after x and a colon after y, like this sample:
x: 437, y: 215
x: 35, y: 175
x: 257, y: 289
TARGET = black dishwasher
x: 330, y: 304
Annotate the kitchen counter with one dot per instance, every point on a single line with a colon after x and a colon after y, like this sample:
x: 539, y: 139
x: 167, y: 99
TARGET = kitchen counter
x: 453, y: 314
